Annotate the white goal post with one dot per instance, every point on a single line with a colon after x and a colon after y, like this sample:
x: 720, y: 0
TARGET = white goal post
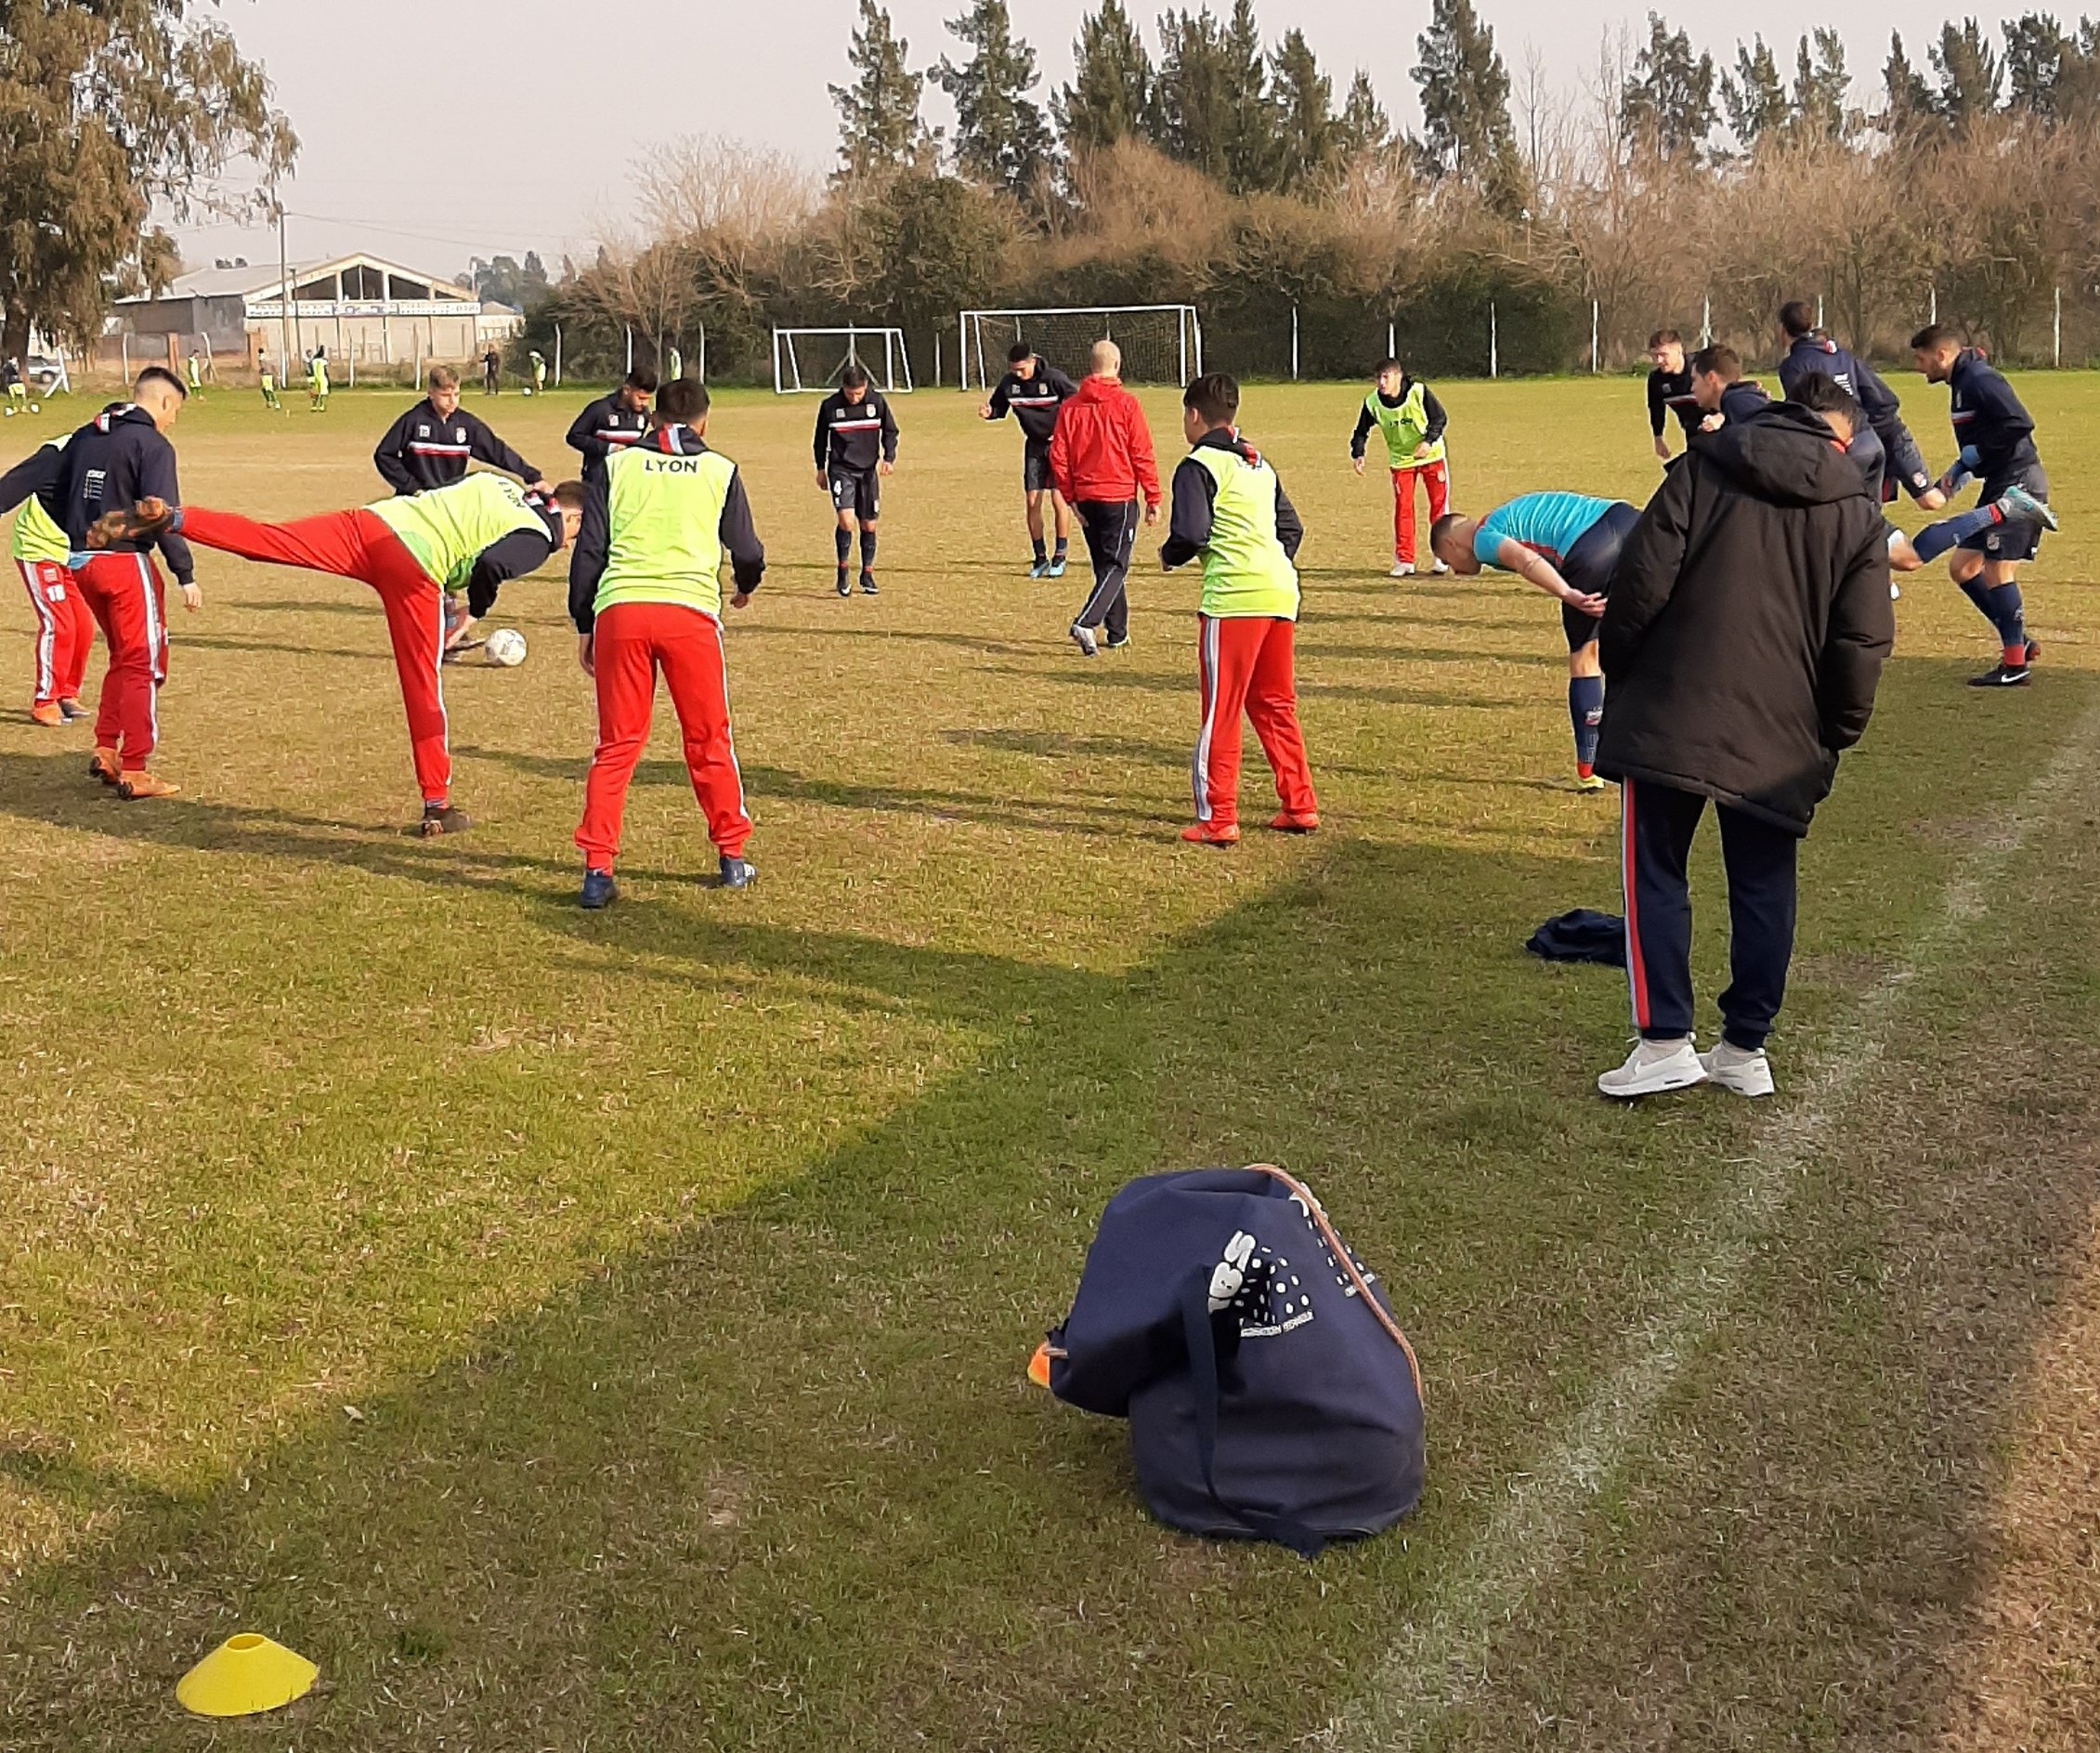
x: 1162, y: 344
x: 808, y: 362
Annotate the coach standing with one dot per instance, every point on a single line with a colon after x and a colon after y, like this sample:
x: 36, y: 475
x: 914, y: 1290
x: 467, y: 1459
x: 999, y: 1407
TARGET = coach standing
x: 1747, y: 625
x: 432, y: 444
x: 1101, y: 461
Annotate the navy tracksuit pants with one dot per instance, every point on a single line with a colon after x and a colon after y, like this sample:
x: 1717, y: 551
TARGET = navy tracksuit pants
x: 1758, y: 859
x: 1111, y: 533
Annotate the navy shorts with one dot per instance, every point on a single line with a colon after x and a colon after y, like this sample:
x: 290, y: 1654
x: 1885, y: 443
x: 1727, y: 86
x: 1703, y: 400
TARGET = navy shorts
x: 857, y: 490
x: 2019, y: 540
x: 1905, y: 467
x: 1588, y: 567
x: 1034, y: 466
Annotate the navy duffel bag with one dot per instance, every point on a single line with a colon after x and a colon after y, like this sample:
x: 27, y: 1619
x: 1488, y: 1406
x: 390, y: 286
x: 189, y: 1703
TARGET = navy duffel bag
x: 1270, y: 1393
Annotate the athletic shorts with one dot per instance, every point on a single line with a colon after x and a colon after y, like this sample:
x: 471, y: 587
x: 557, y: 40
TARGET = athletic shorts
x: 1034, y: 466
x: 857, y: 490
x: 1589, y: 566
x: 1905, y: 467
x: 2019, y: 540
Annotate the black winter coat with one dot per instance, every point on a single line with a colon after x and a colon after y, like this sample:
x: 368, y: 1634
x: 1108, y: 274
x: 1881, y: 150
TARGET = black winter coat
x: 1748, y: 621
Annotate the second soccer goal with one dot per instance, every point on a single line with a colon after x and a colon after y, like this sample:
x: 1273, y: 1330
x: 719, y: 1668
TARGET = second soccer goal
x: 1162, y: 344
x: 808, y: 362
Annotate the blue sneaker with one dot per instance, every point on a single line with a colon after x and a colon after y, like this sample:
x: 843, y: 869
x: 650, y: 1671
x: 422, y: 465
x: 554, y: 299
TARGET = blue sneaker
x: 1040, y: 568
x: 737, y: 874
x: 599, y: 891
x: 2019, y: 505
x: 1056, y: 566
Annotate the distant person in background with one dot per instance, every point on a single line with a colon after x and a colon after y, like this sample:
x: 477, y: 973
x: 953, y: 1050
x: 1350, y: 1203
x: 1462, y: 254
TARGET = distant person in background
x: 196, y: 371
x: 1747, y: 626
x: 1669, y: 388
x: 1412, y: 420
x: 1033, y: 389
x: 491, y: 373
x: 268, y: 380
x: 539, y: 374
x: 1100, y: 459
x: 18, y: 388
x: 316, y: 380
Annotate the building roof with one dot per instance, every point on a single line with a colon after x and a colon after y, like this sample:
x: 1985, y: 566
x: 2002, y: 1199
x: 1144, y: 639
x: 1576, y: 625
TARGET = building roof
x: 263, y: 279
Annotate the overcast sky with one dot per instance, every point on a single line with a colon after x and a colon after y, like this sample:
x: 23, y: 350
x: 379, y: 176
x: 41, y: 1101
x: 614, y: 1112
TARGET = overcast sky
x: 434, y: 132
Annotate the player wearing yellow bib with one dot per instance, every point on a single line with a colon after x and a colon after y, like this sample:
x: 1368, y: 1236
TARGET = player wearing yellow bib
x: 470, y: 536
x: 1231, y: 513
x: 65, y: 628
x: 316, y: 380
x: 1407, y: 414
x: 645, y: 595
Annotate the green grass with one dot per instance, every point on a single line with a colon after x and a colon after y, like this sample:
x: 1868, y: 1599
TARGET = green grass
x: 608, y: 1331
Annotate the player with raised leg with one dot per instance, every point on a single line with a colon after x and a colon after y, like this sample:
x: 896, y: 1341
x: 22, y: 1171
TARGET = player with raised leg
x: 1034, y: 390
x: 1566, y: 545
x: 855, y: 445
x: 470, y: 536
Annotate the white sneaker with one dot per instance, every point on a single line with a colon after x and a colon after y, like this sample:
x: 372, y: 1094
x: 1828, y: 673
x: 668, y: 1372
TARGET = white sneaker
x: 1895, y: 592
x: 1654, y: 1067
x: 1401, y: 568
x: 1439, y: 569
x: 1084, y: 638
x: 1745, y: 1071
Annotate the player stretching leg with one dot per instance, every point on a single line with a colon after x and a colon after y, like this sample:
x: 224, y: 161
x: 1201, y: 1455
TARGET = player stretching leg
x: 855, y: 444
x: 1567, y: 546
x: 1035, y: 390
x: 65, y: 626
x: 1996, y: 436
x: 472, y: 535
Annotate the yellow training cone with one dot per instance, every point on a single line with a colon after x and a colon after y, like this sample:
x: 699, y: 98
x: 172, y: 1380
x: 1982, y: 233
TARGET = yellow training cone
x: 244, y: 1675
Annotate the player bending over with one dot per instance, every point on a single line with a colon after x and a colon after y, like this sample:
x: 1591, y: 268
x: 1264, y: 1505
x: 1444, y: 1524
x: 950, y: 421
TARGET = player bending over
x: 1566, y: 545
x: 1412, y: 420
x: 645, y: 595
x: 469, y: 536
x: 1669, y: 387
x: 65, y: 625
x: 1809, y: 350
x: 1996, y: 436
x: 1035, y: 390
x: 855, y: 444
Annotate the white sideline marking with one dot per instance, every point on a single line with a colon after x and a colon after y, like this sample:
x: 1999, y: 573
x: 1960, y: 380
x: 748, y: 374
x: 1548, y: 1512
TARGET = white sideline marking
x: 1438, y: 1661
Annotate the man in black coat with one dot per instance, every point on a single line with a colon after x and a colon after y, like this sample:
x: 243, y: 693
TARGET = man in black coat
x: 1744, y: 636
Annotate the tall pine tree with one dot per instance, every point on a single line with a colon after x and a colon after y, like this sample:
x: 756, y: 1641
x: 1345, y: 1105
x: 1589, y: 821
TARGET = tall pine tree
x: 878, y: 125
x: 1906, y: 99
x: 1191, y: 96
x: 1752, y: 96
x: 1465, y: 86
x: 1822, y: 85
x: 1969, y: 77
x: 1668, y: 101
x: 1312, y: 138
x: 1364, y: 125
x: 1253, y: 146
x: 1110, y: 94
x: 1000, y: 136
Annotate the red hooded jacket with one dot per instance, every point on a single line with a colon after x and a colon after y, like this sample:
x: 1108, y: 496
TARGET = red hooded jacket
x: 1102, y: 449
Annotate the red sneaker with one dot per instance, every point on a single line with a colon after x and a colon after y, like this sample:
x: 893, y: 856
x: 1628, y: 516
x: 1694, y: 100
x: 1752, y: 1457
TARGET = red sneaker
x: 1290, y: 822
x: 1212, y: 833
x: 47, y: 714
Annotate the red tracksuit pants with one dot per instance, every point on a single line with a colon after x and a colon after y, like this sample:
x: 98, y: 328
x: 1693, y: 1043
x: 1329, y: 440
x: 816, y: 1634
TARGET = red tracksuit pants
x: 356, y: 545
x: 1436, y: 482
x: 124, y: 594
x: 631, y: 643
x: 65, y: 629
x: 1244, y: 664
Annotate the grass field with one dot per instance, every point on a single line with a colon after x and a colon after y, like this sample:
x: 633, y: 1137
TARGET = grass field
x: 606, y: 1331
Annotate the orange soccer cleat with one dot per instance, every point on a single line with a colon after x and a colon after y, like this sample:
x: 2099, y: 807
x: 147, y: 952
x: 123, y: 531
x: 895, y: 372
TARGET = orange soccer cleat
x: 1212, y: 834
x: 1289, y: 822
x: 134, y: 787
x: 104, y: 765
x: 47, y: 714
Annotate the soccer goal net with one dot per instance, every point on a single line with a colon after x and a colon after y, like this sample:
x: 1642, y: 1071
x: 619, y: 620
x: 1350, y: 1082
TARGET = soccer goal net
x: 1162, y: 344
x: 808, y: 362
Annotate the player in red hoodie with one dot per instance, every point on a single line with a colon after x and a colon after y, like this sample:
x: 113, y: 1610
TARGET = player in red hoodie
x: 1100, y: 462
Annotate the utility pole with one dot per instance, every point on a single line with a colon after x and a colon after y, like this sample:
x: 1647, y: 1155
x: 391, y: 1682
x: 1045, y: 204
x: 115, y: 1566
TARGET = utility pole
x: 284, y: 295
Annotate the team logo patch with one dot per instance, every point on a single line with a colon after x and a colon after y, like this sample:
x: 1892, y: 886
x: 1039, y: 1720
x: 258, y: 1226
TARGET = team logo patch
x: 459, y: 435
x: 423, y: 431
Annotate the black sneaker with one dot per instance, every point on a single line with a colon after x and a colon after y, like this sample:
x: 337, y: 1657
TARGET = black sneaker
x: 845, y: 589
x: 599, y: 890
x: 737, y: 874
x: 867, y: 583
x: 2005, y: 675
x: 443, y: 818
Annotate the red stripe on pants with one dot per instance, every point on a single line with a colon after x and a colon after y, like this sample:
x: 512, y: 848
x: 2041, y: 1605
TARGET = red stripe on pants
x: 1436, y: 482
x: 124, y: 594
x: 631, y: 643
x: 65, y: 630
x: 358, y: 545
x: 1246, y: 665
x: 1636, y: 969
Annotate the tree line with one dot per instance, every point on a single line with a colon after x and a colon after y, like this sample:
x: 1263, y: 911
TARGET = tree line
x: 1205, y: 161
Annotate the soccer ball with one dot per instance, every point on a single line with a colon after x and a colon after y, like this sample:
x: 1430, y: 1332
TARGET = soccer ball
x: 505, y: 648
x: 528, y: 389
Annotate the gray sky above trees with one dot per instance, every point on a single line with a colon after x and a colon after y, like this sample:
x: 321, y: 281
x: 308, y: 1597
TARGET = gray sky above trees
x: 433, y: 133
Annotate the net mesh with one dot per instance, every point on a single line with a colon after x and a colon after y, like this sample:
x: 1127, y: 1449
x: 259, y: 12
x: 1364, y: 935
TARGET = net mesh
x: 811, y: 360
x: 1159, y: 346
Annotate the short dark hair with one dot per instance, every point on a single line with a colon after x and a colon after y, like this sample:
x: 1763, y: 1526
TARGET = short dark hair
x: 568, y: 495
x: 1441, y: 527
x: 1215, y: 396
x: 1391, y: 365
x: 1795, y: 319
x: 1823, y: 394
x: 1665, y: 337
x: 1718, y: 361
x: 1020, y: 350
x: 1931, y: 338
x: 682, y: 400
x: 643, y: 379
x: 161, y: 374
x: 854, y: 376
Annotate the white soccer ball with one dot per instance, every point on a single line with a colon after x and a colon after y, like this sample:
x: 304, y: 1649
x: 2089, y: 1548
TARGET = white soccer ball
x: 528, y: 389
x: 36, y: 407
x: 505, y: 648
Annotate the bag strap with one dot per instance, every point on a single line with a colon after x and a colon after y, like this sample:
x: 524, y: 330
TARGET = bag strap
x: 1343, y: 1262
x: 1202, y: 1341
